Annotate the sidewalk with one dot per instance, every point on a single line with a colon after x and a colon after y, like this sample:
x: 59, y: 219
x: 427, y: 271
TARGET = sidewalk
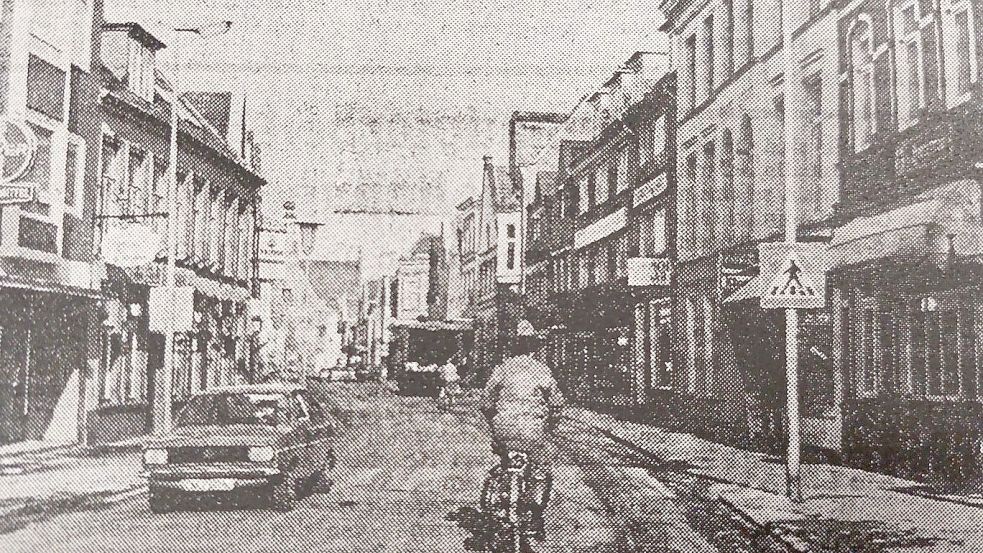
x: 39, y: 480
x: 844, y: 509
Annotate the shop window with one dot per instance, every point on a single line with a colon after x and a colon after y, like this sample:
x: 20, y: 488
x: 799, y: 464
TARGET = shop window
x: 660, y: 345
x: 944, y: 349
x: 813, y: 86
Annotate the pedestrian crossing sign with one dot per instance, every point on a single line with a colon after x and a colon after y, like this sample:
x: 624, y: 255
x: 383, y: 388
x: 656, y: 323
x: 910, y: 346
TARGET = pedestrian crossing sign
x: 795, y: 274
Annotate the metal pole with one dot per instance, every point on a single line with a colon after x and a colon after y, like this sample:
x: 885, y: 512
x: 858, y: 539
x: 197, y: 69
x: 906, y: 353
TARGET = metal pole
x: 792, y: 456
x: 162, y: 395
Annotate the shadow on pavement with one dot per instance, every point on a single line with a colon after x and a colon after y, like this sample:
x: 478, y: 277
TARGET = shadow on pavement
x: 837, y: 536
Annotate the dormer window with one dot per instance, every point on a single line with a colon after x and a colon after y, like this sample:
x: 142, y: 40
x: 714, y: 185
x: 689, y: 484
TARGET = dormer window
x: 130, y: 52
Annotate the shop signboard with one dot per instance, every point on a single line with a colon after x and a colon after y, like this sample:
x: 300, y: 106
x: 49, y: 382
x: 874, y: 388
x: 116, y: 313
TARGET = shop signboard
x: 649, y: 271
x: 129, y: 243
x: 18, y: 146
x: 649, y: 190
x: 795, y: 273
x: 734, y: 270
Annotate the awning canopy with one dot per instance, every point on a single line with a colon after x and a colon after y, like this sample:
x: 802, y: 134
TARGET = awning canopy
x: 915, y: 230
x: 453, y: 326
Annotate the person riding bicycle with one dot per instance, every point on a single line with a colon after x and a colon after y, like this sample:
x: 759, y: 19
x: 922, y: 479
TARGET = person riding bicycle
x: 522, y: 402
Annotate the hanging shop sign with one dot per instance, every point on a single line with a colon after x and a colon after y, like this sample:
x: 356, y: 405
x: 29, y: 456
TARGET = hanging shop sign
x: 129, y: 243
x: 18, y: 146
x: 649, y: 271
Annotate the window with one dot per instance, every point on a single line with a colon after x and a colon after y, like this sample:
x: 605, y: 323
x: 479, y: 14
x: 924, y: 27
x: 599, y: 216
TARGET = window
x: 73, y: 171
x: 708, y: 183
x: 159, y: 187
x: 600, y: 185
x: 728, y: 39
x: 776, y: 200
x: 961, y: 49
x: 652, y: 234
x: 727, y: 217
x: 510, y: 231
x: 708, y: 60
x: 744, y: 34
x: 583, y: 188
x: 814, y: 151
x: 944, y: 348
x: 691, y: 353
x: 910, y: 71
x: 612, y: 177
x: 862, y: 85
x: 689, y: 77
x: 689, y: 202
x: 744, y: 169
x: 40, y: 172
x: 510, y: 262
x: 45, y: 88
x: 136, y: 183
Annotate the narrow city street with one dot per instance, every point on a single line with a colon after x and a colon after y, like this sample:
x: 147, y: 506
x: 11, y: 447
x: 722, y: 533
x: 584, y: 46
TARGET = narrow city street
x: 408, y: 480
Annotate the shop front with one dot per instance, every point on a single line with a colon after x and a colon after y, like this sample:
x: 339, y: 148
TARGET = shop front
x: 907, y: 286
x: 214, y: 353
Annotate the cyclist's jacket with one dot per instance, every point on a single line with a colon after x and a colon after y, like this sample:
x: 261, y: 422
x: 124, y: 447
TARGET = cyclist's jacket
x: 522, y: 387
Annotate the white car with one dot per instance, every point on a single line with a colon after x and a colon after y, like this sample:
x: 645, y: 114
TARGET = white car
x: 339, y: 374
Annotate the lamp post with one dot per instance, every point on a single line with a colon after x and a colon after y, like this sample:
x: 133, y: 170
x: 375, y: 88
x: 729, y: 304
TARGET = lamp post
x: 162, y: 388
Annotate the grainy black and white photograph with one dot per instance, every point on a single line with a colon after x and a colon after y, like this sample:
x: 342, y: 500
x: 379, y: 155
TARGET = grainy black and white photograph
x: 539, y: 276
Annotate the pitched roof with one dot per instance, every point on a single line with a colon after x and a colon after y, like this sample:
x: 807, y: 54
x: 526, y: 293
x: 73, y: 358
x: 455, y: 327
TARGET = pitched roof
x: 215, y: 107
x: 505, y: 196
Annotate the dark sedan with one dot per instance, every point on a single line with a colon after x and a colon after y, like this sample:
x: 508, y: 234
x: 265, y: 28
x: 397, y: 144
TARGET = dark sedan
x: 273, y: 438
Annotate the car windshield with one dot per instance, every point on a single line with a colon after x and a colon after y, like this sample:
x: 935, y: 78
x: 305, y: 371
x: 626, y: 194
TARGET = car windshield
x: 231, y: 408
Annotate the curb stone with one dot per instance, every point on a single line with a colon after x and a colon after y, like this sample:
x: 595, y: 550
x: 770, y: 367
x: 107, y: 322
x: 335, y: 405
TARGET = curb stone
x: 791, y: 543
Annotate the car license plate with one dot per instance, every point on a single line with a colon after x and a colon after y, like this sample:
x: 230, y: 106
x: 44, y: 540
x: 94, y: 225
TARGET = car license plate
x: 207, y: 484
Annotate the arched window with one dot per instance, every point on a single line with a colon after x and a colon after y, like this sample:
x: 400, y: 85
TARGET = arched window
x: 861, y: 84
x: 726, y: 218
x: 744, y: 171
x: 708, y: 185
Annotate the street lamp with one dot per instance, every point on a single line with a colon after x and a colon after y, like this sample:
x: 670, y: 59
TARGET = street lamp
x: 162, y: 400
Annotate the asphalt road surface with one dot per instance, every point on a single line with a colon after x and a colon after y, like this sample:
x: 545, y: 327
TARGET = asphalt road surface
x: 408, y: 481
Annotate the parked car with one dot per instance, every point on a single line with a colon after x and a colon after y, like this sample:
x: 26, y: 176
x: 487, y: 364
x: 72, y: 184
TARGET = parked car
x: 271, y: 438
x: 338, y: 374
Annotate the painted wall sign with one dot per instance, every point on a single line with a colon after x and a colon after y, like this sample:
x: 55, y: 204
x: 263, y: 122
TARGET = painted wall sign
x: 649, y: 190
x: 649, y: 271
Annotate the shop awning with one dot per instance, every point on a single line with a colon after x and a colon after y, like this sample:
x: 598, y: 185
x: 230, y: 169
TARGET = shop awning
x: 914, y: 230
x: 752, y: 289
x: 454, y: 326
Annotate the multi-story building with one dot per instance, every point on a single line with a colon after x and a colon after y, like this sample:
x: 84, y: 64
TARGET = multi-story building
x: 609, y: 201
x: 126, y: 129
x: 48, y: 286
x: 905, y: 283
x: 490, y: 244
x: 731, y: 127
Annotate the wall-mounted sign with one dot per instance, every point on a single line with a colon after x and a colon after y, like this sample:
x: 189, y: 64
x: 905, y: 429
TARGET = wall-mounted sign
x: 649, y: 271
x: 649, y: 190
x: 599, y: 229
x: 18, y: 146
x: 129, y: 244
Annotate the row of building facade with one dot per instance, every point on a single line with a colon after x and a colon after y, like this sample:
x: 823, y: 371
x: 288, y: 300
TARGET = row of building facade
x: 641, y: 211
x: 83, y: 228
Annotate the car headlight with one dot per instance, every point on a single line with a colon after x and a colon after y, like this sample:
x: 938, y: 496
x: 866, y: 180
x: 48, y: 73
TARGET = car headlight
x: 155, y: 457
x: 261, y: 454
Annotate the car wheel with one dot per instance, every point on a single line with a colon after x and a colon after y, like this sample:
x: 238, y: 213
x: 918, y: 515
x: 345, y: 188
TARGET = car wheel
x: 161, y: 502
x: 284, y: 494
